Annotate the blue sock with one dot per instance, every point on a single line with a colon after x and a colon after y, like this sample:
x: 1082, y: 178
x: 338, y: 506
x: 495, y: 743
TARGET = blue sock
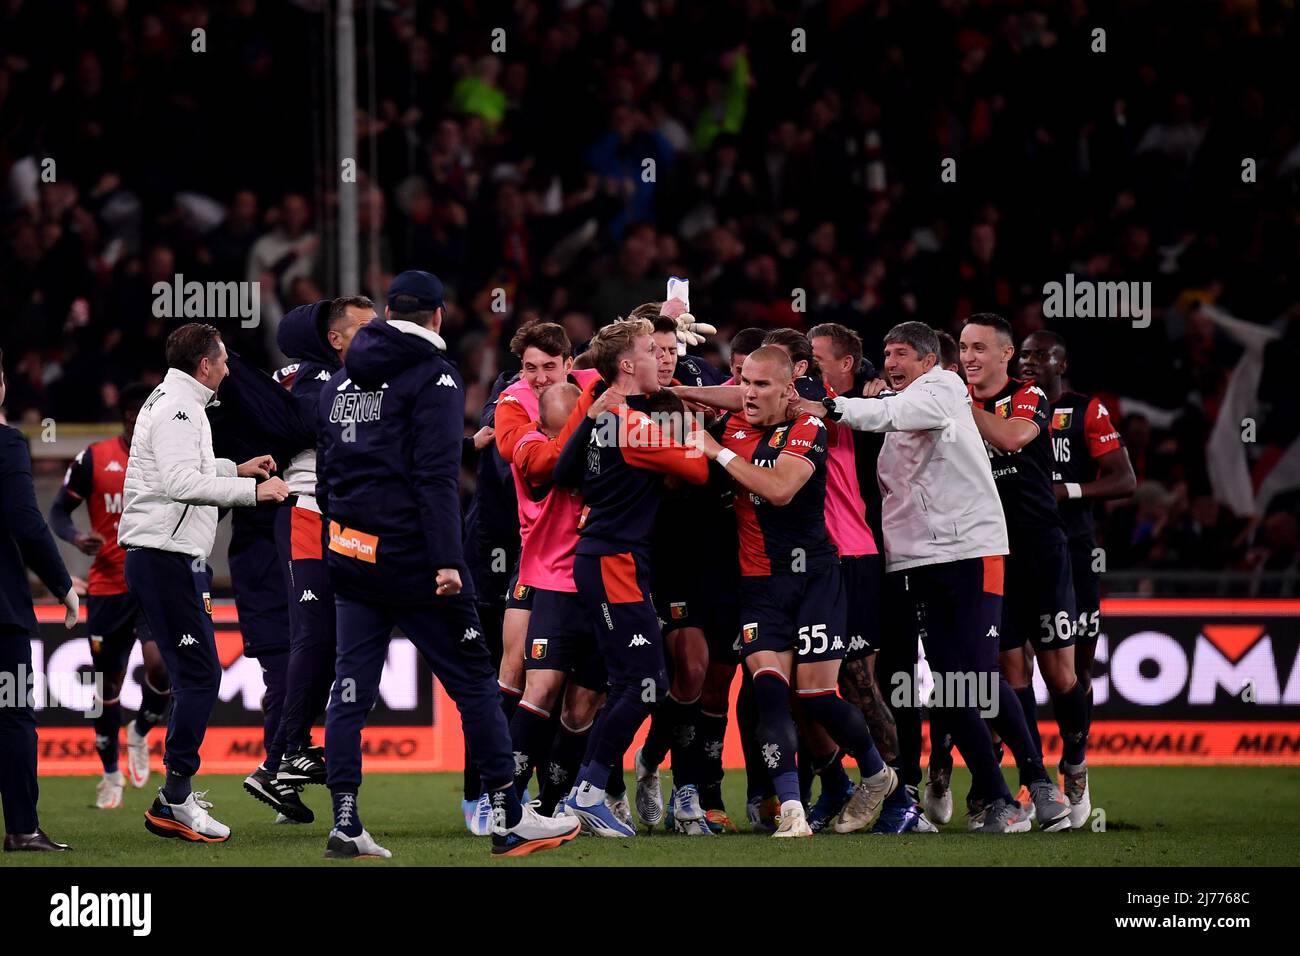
x: 775, y: 735
x: 107, y: 725
x: 347, y: 819
x: 506, y: 798
x: 847, y: 727
x: 176, y: 788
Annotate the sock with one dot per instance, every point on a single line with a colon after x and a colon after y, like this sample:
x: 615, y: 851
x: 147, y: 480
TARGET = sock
x: 711, y: 731
x: 1087, y: 714
x: 528, y: 729
x: 346, y: 818
x: 941, y: 742
x: 561, y: 770
x: 663, y: 727
x: 107, y: 728
x: 774, y: 736
x: 615, y: 785
x: 590, y: 795
x: 804, y: 763
x: 1071, y: 709
x: 847, y: 727
x: 833, y: 776
x: 686, y: 745
x: 1011, y: 726
x: 506, y: 798
x: 903, y: 796
x: 176, y: 788
x: 472, y: 783
x: 758, y: 783
x: 1029, y: 704
x: 154, y: 705
x: 509, y: 700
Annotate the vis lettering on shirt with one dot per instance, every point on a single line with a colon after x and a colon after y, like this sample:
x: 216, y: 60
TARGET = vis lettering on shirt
x: 357, y: 407
x: 352, y: 543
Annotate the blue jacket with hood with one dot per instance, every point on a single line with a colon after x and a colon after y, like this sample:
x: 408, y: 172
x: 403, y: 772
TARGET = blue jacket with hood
x: 301, y: 337
x: 391, y: 423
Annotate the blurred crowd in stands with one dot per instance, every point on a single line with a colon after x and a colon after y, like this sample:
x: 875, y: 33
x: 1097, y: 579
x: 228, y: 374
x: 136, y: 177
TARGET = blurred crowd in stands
x: 794, y: 178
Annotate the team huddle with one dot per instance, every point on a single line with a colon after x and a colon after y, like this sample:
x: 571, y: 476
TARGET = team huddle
x: 644, y: 527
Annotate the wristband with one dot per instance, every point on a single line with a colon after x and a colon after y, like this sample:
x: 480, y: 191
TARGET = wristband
x: 1073, y: 490
x: 725, y: 456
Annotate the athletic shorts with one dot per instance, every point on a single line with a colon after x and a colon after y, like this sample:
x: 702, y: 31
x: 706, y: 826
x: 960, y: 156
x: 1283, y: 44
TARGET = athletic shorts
x: 520, y: 596
x: 863, y: 577
x: 615, y: 592
x: 560, y: 639
x: 804, y: 613
x: 1038, y: 606
x: 715, y: 612
x: 1087, y: 588
x: 115, y: 622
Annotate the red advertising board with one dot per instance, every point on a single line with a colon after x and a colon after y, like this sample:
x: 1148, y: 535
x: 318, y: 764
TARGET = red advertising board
x: 1176, y: 682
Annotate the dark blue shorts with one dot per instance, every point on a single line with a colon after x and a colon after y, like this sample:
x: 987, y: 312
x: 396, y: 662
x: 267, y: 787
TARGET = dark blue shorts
x: 115, y: 622
x: 1087, y: 588
x: 863, y: 577
x: 804, y: 613
x: 615, y: 590
x: 1038, y: 605
x: 560, y: 638
x: 520, y: 596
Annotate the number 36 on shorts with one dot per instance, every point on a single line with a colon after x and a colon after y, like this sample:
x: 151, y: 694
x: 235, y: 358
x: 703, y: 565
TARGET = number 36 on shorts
x: 1062, y: 628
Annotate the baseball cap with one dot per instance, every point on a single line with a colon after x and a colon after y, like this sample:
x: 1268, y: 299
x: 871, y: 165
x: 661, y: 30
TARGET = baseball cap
x: 424, y: 286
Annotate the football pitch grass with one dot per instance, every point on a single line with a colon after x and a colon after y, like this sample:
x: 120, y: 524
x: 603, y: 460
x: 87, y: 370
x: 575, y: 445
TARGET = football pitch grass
x: 1154, y: 816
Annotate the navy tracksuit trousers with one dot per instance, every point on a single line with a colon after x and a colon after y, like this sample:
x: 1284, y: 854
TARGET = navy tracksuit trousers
x: 450, y: 639
x: 177, y: 603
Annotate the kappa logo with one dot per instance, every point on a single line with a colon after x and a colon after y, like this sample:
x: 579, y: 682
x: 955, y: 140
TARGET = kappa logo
x: 113, y: 466
x: 322, y: 376
x: 739, y: 435
x: 638, y: 640
x: 307, y: 595
x: 186, y: 640
x: 446, y: 380
x: 993, y: 631
x: 838, y: 644
x: 180, y: 416
x: 470, y: 634
x: 771, y: 755
x: 856, y: 643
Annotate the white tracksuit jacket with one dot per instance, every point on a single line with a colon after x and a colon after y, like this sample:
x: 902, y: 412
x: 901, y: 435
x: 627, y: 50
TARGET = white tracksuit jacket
x: 939, y: 501
x: 174, y: 484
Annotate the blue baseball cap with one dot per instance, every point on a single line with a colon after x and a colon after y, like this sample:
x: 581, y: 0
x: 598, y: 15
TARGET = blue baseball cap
x: 425, y: 287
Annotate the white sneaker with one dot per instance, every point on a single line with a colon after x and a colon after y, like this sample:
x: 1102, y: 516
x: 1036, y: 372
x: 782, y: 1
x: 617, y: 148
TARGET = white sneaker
x: 186, y: 821
x: 865, y: 803
x: 649, y: 793
x: 108, y: 792
x: 363, y: 847
x: 688, y: 816
x: 137, y: 756
x: 937, y: 801
x: 532, y: 833
x: 793, y: 821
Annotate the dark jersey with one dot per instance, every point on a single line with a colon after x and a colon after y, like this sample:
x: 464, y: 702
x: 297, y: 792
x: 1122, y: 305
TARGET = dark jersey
x: 95, y: 477
x: 786, y: 539
x: 1024, y: 478
x: 1081, y: 433
x: 695, y: 371
x: 627, y: 457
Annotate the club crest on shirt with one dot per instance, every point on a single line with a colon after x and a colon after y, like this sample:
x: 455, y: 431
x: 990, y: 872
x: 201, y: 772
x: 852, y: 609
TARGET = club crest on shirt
x: 521, y: 592
x: 749, y: 633
x: 1003, y: 407
x: 1061, y: 418
x: 778, y: 437
x: 677, y: 610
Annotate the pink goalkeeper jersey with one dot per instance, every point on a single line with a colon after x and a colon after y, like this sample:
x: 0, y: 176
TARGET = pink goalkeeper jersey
x: 548, y: 530
x: 846, y: 514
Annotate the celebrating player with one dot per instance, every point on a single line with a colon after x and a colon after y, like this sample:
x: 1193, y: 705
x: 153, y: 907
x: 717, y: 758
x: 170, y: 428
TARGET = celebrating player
x: 1088, y: 469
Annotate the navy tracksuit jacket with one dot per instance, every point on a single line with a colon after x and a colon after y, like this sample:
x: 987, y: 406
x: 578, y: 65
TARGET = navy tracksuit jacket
x: 388, y: 479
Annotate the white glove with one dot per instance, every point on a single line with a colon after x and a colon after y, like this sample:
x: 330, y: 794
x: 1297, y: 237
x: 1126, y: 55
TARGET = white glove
x: 690, y: 332
x: 72, y: 603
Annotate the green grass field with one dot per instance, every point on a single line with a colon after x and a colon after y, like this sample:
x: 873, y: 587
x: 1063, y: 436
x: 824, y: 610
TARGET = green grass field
x: 1154, y: 816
